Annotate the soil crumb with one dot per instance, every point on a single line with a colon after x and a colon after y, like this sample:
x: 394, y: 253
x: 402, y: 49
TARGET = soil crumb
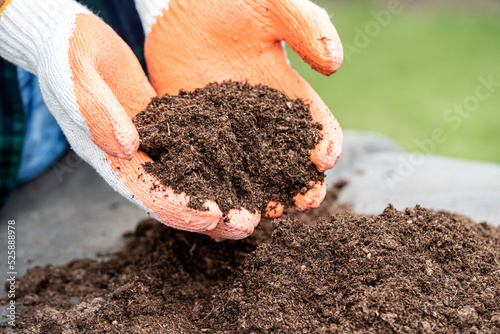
x: 236, y: 144
x: 416, y: 271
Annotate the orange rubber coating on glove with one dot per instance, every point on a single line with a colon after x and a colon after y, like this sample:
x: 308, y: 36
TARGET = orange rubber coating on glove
x: 311, y: 199
x: 108, y: 93
x: 238, y: 224
x: 274, y: 210
x: 110, y: 89
x: 196, y: 42
x: 171, y: 208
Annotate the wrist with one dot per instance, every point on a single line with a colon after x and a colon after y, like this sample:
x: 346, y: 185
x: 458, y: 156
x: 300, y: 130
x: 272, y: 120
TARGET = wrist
x: 148, y: 11
x: 26, y: 26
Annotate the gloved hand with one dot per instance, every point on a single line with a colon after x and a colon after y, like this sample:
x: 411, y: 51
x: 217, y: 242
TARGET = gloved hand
x: 190, y: 43
x: 93, y: 85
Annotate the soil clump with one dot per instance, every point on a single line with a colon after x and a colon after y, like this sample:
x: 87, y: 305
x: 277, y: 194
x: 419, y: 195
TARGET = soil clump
x: 234, y: 143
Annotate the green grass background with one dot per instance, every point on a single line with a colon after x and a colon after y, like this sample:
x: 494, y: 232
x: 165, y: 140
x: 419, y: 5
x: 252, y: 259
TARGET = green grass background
x: 428, y: 58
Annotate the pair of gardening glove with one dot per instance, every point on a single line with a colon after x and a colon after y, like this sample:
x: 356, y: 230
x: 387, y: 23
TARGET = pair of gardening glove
x: 93, y: 84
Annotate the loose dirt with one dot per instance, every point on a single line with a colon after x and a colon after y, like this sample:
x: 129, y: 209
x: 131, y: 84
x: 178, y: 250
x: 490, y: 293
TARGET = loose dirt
x: 416, y: 271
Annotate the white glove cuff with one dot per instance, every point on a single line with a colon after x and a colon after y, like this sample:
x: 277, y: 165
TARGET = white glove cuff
x: 149, y: 10
x: 26, y: 25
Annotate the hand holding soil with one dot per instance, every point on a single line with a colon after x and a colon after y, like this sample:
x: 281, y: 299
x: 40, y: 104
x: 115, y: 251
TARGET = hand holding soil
x: 235, y: 144
x: 93, y: 84
x: 242, y: 41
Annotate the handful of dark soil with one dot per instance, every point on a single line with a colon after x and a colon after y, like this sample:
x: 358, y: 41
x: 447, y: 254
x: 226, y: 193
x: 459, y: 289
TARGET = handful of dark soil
x: 236, y: 144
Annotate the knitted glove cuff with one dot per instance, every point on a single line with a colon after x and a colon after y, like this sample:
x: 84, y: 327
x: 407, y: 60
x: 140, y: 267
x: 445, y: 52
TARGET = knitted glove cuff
x: 149, y: 10
x: 26, y: 25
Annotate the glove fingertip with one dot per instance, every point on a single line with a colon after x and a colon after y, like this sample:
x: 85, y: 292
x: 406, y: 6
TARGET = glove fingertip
x: 236, y: 225
x: 311, y: 199
x: 274, y: 210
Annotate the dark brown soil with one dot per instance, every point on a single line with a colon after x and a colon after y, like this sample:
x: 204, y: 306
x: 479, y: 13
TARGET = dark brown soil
x: 234, y: 143
x: 416, y: 271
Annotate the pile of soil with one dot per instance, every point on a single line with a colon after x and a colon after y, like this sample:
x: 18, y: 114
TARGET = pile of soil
x: 416, y: 271
x: 236, y: 144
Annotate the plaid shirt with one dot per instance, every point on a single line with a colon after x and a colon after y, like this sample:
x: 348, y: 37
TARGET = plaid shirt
x: 122, y: 16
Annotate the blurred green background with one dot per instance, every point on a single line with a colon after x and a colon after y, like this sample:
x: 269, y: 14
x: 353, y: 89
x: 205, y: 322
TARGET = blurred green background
x: 416, y: 71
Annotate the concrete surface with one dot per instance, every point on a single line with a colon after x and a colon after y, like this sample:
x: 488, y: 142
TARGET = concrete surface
x: 378, y: 173
x: 70, y: 213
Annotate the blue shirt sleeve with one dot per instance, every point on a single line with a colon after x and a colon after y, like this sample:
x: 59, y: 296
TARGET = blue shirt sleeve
x: 44, y: 142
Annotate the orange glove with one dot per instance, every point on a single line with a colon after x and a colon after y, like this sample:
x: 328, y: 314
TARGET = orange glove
x: 191, y: 43
x: 93, y: 85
